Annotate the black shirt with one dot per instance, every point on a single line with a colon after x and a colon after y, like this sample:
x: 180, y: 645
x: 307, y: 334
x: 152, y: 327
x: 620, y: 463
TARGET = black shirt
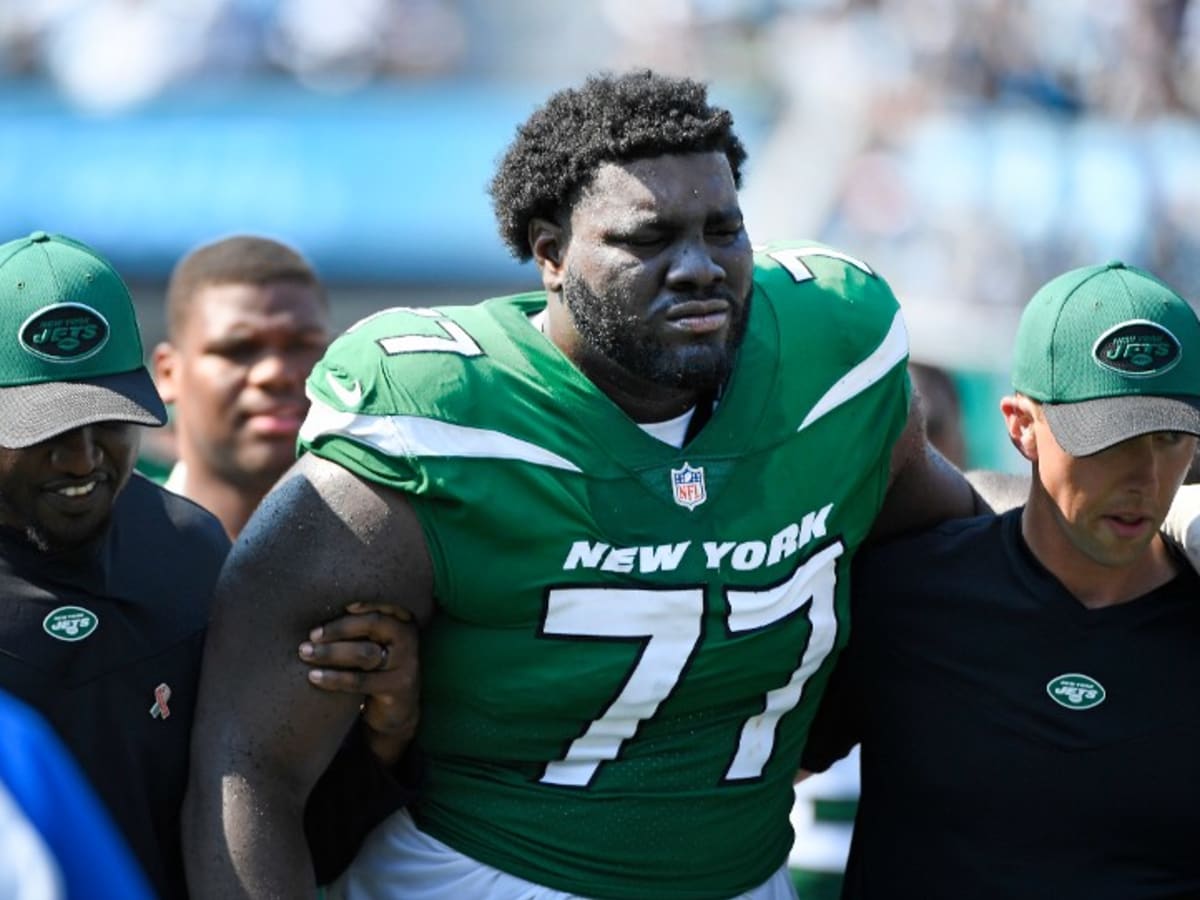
x: 1015, y: 744
x: 105, y: 641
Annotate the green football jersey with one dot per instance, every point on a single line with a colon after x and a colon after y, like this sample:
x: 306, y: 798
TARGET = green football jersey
x: 630, y: 639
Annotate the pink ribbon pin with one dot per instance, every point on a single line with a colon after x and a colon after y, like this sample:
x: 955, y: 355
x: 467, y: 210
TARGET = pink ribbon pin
x: 162, y: 694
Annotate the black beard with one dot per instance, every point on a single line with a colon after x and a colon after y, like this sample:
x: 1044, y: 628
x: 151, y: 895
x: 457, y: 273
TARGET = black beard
x: 611, y: 333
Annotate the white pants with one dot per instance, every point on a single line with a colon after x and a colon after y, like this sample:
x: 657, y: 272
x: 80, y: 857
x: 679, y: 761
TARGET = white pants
x: 398, y: 860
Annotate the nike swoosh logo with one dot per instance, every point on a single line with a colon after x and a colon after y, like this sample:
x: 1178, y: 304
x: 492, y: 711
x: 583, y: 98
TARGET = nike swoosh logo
x: 350, y: 396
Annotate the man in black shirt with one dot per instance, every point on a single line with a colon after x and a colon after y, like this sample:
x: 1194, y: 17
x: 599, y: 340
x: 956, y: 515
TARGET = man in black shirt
x: 1026, y: 688
x: 105, y: 577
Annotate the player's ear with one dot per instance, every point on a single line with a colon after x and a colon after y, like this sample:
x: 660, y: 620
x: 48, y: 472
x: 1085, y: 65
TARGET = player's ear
x: 1019, y: 416
x: 164, y: 363
x: 548, y: 242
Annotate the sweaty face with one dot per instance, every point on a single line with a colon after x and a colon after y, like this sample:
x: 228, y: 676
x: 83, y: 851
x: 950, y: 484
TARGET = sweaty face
x: 658, y: 273
x: 1108, y: 507
x: 61, y: 492
x: 236, y: 376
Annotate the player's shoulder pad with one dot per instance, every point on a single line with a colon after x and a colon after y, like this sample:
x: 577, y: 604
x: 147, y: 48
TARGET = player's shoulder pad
x: 820, y: 292
x: 419, y: 360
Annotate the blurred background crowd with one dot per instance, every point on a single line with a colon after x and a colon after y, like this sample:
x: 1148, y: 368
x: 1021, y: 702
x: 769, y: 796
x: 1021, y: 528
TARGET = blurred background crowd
x: 968, y: 149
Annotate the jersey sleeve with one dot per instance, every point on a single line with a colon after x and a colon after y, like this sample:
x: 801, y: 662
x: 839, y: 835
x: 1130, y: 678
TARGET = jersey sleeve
x: 408, y: 396
x: 852, y: 331
x: 386, y: 389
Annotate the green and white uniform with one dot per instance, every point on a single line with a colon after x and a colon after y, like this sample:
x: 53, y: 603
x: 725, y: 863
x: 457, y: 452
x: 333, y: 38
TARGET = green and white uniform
x: 630, y: 639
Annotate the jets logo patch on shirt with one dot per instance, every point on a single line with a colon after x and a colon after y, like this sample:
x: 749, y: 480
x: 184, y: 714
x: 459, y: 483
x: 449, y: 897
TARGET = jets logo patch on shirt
x: 1076, y: 691
x: 70, y: 623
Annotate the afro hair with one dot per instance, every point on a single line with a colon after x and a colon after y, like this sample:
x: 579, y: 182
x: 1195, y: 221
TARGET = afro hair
x: 611, y: 119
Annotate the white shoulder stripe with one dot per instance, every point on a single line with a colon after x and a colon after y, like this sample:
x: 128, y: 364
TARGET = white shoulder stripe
x: 891, y: 350
x: 420, y: 436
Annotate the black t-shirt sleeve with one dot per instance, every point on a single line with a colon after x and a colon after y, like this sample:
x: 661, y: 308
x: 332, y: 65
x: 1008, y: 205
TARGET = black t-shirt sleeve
x: 836, y: 728
x: 841, y: 717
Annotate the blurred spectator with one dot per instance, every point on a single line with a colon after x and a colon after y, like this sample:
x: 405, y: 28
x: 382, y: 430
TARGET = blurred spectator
x: 110, y: 54
x: 972, y: 149
x: 247, y: 318
x: 366, y: 39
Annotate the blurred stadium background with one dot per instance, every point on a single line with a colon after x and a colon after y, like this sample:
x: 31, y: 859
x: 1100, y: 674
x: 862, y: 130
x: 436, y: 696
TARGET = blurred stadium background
x: 968, y: 149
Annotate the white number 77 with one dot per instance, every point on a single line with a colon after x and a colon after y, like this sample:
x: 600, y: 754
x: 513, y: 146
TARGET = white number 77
x: 667, y: 624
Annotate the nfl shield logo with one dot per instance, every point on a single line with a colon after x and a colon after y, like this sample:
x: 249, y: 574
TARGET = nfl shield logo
x: 688, y: 485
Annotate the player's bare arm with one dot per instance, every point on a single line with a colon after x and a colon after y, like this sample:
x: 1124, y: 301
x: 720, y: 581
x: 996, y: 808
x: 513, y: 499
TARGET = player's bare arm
x: 925, y: 488
x: 262, y: 738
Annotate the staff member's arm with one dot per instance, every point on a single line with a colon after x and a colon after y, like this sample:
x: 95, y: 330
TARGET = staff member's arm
x: 373, y: 651
x: 837, y: 726
x: 321, y: 539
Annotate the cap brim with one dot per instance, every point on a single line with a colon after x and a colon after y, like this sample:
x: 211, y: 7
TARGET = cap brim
x: 1089, y: 426
x: 32, y: 413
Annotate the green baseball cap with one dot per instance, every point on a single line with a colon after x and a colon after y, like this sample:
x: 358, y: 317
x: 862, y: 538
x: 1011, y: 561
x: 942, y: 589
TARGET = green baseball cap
x: 70, y: 349
x: 1112, y: 353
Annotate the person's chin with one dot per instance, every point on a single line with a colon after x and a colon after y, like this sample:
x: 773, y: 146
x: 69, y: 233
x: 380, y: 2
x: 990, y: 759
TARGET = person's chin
x: 703, y: 366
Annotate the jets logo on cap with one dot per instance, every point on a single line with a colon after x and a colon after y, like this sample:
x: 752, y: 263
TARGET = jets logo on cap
x: 65, y: 332
x: 1138, y: 348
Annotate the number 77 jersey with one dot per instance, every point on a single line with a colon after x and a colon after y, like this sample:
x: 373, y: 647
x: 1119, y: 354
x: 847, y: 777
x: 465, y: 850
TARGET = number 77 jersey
x: 630, y: 638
